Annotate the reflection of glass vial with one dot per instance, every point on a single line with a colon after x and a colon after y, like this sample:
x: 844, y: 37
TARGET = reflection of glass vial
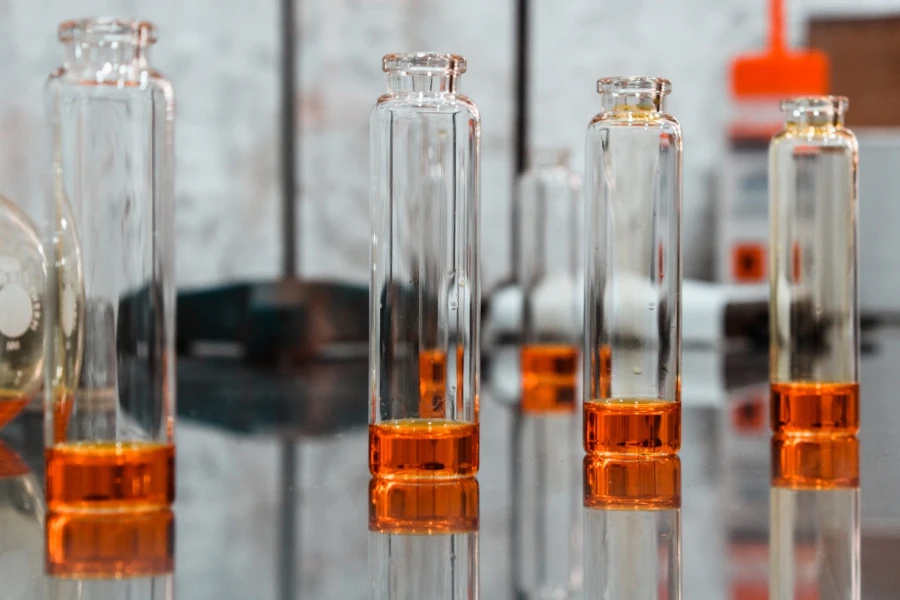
x: 22, y: 281
x: 814, y: 325
x: 632, y: 351
x: 109, y: 423
x: 549, y: 218
x: 424, y: 291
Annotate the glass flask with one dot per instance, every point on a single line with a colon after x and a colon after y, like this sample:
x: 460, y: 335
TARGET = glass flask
x: 814, y: 325
x: 814, y: 529
x: 109, y: 422
x: 549, y: 219
x: 22, y: 281
x: 632, y: 527
x: 424, y: 294
x: 632, y: 344
x: 423, y: 540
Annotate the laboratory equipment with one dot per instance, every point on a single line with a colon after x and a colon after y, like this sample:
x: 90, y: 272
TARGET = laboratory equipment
x: 21, y: 529
x: 759, y: 82
x: 814, y: 531
x: 22, y: 319
x: 632, y: 527
x: 111, y: 447
x: 424, y: 294
x: 423, y: 540
x: 632, y: 344
x: 814, y: 327
x: 549, y: 221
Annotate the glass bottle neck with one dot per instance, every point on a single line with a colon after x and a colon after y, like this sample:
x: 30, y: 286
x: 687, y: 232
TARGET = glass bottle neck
x: 633, y: 103
x: 815, y: 119
x: 424, y: 83
x: 111, y: 59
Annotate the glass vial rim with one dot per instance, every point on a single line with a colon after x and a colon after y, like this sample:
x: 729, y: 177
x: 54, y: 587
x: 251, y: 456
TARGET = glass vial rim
x: 815, y: 110
x: 424, y: 63
x: 105, y: 31
x: 634, y: 86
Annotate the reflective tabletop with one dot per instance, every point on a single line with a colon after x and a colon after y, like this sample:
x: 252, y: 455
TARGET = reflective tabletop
x: 274, y: 499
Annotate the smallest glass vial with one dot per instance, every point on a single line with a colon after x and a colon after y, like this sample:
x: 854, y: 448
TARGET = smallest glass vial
x: 814, y: 324
x: 549, y: 221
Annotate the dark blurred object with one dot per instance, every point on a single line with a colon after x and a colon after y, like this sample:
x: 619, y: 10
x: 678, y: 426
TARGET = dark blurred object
x: 864, y: 53
x: 266, y: 323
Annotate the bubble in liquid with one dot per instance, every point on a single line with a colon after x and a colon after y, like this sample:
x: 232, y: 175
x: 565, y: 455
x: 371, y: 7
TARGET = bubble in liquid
x: 462, y: 281
x: 637, y: 370
x: 652, y: 306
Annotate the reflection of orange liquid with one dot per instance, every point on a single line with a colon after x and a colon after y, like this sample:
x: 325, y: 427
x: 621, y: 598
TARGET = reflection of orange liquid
x: 634, y: 426
x: 549, y: 378
x: 448, y: 506
x: 110, y: 475
x: 638, y: 482
x: 11, y: 464
x: 423, y: 448
x: 808, y: 407
x: 11, y: 404
x: 433, y: 382
x: 815, y: 462
x: 604, y: 359
x: 62, y: 411
x: 128, y: 544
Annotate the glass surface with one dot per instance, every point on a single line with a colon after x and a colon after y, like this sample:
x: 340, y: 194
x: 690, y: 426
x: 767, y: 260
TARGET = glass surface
x: 109, y: 379
x: 282, y: 510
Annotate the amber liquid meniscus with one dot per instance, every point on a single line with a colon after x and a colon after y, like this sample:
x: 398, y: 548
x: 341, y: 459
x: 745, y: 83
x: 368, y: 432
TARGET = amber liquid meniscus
x: 408, y: 506
x: 110, y: 476
x: 11, y: 404
x: 813, y: 407
x: 633, y: 426
x: 632, y: 482
x: 423, y: 448
x: 110, y: 545
x: 549, y: 373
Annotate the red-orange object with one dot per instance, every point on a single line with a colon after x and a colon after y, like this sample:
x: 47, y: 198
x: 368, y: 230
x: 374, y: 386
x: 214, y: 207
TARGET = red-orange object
x: 636, y: 482
x: 634, y: 426
x: 549, y: 378
x: 748, y: 262
x: 806, y: 407
x: 423, y: 448
x: 418, y: 507
x: 815, y: 462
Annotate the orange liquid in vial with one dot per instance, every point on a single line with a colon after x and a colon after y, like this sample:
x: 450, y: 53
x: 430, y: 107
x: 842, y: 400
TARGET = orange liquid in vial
x: 11, y: 404
x: 433, y: 382
x: 633, y: 426
x: 815, y: 462
x: 11, y: 464
x: 603, y: 361
x: 110, y: 475
x: 549, y: 378
x: 405, y: 506
x: 110, y: 545
x: 423, y: 448
x: 638, y: 482
x: 808, y: 407
x: 63, y: 401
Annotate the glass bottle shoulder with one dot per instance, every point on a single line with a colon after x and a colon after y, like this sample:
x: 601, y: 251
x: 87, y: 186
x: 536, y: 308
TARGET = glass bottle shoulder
x: 833, y: 137
x: 432, y: 103
x: 610, y: 119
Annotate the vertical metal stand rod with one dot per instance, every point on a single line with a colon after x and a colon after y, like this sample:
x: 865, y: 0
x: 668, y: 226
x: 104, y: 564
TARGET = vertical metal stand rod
x: 520, y: 125
x: 289, y: 133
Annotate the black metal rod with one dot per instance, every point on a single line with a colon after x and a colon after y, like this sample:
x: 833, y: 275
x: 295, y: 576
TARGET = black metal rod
x: 289, y: 134
x: 520, y: 125
x: 288, y: 556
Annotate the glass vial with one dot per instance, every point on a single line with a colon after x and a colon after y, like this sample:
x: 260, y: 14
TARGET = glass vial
x: 109, y: 421
x: 22, y: 282
x: 424, y: 294
x: 632, y: 527
x: 549, y: 219
x: 814, y: 530
x: 814, y: 325
x: 423, y: 540
x: 632, y: 344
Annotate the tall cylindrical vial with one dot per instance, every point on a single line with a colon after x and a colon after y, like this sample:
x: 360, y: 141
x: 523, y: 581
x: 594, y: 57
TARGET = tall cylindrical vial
x: 423, y: 540
x: 814, y: 322
x: 549, y: 224
x: 632, y: 326
x: 109, y: 413
x: 424, y: 291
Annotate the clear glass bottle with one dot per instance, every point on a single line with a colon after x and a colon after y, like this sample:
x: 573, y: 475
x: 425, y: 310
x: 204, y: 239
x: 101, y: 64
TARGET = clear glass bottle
x: 423, y: 540
x: 814, y: 322
x: 632, y: 344
x: 424, y: 291
x: 22, y: 281
x: 549, y: 223
x: 110, y: 446
x: 814, y: 529
x: 632, y: 527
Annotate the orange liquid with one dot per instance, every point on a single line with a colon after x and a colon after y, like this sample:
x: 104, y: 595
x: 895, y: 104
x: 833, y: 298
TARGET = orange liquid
x: 433, y: 382
x: 815, y: 462
x: 549, y: 378
x: 11, y: 404
x: 110, y: 544
x: 110, y: 476
x: 638, y: 482
x: 423, y: 448
x: 63, y: 401
x: 11, y: 464
x: 632, y: 426
x: 807, y: 407
x: 603, y: 361
x: 398, y: 506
